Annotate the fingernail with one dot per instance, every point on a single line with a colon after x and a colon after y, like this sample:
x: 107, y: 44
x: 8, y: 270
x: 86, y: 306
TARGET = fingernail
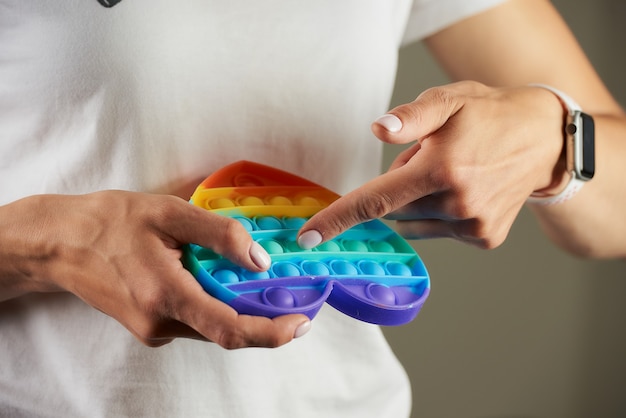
x: 260, y: 257
x: 302, y: 329
x: 390, y: 122
x: 309, y: 239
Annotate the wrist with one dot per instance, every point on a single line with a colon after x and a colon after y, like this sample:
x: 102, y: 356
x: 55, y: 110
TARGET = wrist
x: 576, y: 163
x: 20, y: 261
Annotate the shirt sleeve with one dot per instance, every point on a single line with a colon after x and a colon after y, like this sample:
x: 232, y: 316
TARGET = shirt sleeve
x: 430, y: 16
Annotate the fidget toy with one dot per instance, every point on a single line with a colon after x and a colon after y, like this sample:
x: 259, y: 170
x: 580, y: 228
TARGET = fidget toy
x: 368, y: 272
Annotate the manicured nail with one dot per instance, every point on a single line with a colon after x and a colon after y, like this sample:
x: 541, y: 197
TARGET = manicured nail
x: 390, y: 122
x: 302, y: 329
x: 309, y: 239
x: 260, y: 257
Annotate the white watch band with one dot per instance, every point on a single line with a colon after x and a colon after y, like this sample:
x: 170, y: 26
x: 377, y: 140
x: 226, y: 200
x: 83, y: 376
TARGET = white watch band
x: 574, y: 185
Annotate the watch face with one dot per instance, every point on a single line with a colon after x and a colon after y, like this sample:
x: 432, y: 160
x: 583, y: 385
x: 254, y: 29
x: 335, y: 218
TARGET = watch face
x: 587, y: 166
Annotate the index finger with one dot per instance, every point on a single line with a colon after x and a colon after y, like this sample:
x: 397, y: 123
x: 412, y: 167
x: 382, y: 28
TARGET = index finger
x: 186, y: 223
x: 375, y: 199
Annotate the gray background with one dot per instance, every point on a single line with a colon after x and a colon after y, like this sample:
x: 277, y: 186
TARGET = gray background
x: 524, y: 330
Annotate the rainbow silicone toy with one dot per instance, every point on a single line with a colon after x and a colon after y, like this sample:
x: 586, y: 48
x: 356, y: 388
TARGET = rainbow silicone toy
x: 368, y: 272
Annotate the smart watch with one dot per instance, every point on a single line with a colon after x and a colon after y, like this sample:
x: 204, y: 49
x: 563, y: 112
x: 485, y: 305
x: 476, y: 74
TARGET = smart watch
x: 579, y: 149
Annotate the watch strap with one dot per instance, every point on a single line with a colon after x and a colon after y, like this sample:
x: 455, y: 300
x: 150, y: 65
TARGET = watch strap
x: 573, y: 186
x: 570, y: 104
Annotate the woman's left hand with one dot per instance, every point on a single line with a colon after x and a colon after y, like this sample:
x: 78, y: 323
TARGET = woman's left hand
x: 478, y: 153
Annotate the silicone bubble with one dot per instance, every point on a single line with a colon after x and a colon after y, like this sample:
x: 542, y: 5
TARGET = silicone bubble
x: 381, y: 247
x: 380, y: 293
x: 343, y: 268
x: 246, y: 180
x: 315, y: 268
x: 286, y: 269
x: 368, y: 272
x: 279, y: 200
x: 221, y: 203
x: 268, y: 222
x: 294, y: 223
x: 328, y: 246
x: 279, y: 296
x: 371, y: 267
x: 226, y: 276
x: 355, y: 245
x: 292, y: 246
x: 251, y: 201
x: 247, y: 223
x: 271, y: 246
x: 398, y: 269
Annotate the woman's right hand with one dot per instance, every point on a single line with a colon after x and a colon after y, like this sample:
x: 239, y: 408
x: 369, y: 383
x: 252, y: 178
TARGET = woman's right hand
x: 120, y: 253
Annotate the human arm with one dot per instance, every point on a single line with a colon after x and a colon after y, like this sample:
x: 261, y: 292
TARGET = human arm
x: 120, y: 252
x: 484, y: 150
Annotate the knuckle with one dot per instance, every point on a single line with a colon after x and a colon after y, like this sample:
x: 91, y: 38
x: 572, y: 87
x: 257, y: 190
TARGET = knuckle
x: 481, y: 231
x: 233, y: 233
x: 460, y: 181
x: 441, y: 97
x: 491, y: 242
x: 154, y: 301
x: 483, y: 234
x: 439, y: 94
x: 462, y: 206
x: 152, y: 315
x: 235, y: 228
x: 273, y: 341
x: 165, y: 208
x: 375, y: 206
x: 497, y: 238
x: 461, y: 200
x: 444, y: 177
x: 230, y: 339
x: 233, y: 335
x: 472, y: 86
x: 233, y: 241
x: 150, y: 333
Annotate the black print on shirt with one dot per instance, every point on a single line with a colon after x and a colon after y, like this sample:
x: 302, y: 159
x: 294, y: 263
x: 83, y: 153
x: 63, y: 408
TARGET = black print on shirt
x: 109, y: 3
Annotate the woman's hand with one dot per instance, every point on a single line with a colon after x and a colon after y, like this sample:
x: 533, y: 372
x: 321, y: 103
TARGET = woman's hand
x: 478, y: 153
x: 120, y: 253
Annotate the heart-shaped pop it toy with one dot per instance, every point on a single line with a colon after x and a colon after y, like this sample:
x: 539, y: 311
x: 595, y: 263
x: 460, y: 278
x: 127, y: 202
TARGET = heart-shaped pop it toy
x: 368, y: 272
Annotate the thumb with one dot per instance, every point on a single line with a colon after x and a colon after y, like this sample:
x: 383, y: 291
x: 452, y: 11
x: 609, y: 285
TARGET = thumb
x: 420, y: 118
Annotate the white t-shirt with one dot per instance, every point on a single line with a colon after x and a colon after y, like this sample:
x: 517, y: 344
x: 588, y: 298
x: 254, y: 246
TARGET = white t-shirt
x: 154, y: 95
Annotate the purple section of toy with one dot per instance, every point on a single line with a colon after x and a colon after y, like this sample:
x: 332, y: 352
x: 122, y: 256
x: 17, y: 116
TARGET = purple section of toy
x: 363, y: 300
